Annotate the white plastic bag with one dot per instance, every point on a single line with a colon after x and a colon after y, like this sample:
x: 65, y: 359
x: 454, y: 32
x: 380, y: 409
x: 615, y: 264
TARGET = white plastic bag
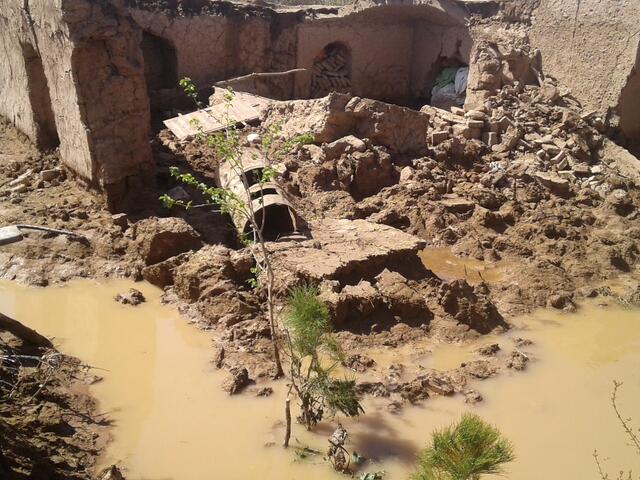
x: 462, y: 76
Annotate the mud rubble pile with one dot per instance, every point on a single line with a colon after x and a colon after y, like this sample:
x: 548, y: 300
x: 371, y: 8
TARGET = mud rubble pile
x: 527, y: 181
x: 49, y: 425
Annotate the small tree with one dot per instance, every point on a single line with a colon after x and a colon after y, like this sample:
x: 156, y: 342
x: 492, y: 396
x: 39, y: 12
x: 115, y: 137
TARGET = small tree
x: 314, y: 354
x: 228, y: 148
x: 464, y: 451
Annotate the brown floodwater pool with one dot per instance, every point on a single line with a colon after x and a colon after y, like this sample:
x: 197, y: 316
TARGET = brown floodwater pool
x: 172, y: 420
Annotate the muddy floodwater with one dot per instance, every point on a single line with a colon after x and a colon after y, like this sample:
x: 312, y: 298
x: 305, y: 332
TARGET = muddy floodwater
x: 172, y: 420
x: 448, y: 266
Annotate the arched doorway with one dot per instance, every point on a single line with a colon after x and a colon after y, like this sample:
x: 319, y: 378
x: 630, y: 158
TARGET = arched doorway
x: 331, y: 70
x: 160, y: 63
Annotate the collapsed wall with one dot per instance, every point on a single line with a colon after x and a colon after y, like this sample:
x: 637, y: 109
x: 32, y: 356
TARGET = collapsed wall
x: 593, y: 47
x: 80, y: 74
x: 73, y: 74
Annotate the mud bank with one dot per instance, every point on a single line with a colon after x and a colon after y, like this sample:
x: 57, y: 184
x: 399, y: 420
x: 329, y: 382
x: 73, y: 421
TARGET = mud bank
x: 177, y: 422
x: 50, y: 426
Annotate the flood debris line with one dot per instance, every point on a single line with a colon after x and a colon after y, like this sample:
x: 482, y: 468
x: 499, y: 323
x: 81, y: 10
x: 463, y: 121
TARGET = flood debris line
x: 53, y: 425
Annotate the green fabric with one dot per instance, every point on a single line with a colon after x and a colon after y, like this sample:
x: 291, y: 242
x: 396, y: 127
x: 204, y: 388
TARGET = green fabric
x: 445, y: 77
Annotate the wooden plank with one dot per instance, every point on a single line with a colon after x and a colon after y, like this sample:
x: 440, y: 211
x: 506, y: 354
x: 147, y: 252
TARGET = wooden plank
x: 243, y: 107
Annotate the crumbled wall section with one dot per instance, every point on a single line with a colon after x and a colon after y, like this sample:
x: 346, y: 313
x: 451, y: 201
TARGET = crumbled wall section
x: 90, y: 57
x: 590, y: 46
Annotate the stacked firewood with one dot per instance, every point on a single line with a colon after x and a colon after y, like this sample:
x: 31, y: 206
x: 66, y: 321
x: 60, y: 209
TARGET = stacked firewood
x: 331, y: 72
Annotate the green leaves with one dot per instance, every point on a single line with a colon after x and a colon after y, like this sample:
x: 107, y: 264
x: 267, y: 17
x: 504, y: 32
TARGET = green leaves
x: 307, y: 319
x: 309, y: 329
x: 464, y: 451
x: 190, y: 89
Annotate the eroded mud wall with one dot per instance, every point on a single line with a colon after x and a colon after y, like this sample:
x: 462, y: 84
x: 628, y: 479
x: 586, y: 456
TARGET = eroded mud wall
x: 589, y: 45
x: 210, y: 48
x: 75, y: 71
x: 15, y: 104
x: 380, y: 55
x: 431, y: 42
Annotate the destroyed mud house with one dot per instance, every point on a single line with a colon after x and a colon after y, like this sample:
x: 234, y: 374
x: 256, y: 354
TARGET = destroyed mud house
x: 394, y: 134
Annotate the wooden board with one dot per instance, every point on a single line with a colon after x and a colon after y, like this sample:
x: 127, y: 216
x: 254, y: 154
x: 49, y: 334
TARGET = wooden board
x: 10, y: 234
x: 244, y: 107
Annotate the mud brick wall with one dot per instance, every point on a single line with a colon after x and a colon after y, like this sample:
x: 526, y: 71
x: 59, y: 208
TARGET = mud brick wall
x: 592, y: 47
x: 209, y: 48
x: 76, y: 76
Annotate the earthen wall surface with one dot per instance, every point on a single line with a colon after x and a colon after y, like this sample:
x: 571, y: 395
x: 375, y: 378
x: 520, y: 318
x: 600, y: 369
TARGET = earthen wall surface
x: 92, y: 67
x: 591, y: 46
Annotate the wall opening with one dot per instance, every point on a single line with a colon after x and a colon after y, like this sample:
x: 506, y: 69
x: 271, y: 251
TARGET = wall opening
x: 449, y: 84
x: 331, y: 70
x: 39, y: 96
x: 160, y: 63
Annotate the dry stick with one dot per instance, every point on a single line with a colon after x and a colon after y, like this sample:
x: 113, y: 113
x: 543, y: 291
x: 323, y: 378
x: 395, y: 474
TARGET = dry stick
x: 230, y: 81
x: 625, y: 423
x: 287, y: 416
x: 50, y: 230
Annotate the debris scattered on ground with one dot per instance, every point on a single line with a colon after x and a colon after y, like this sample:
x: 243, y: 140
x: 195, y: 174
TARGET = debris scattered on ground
x: 131, y: 297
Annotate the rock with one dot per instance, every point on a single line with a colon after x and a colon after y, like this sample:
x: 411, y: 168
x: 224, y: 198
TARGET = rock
x: 561, y: 302
x: 472, y: 397
x: 264, y: 392
x: 161, y: 274
x: 120, y: 220
x: 131, y: 297
x: 489, y: 350
x: 490, y: 139
x: 375, y: 389
x: 348, y: 144
x: 439, y: 137
x: 406, y: 174
x: 358, y: 363
x: 158, y: 239
x: 633, y: 297
x: 517, y: 360
x: 457, y: 204
x: 253, y: 139
x: 342, y: 249
x: 324, y: 117
x: 557, y: 185
x: 49, y: 175
x: 470, y: 306
x: 180, y: 194
x: 236, y: 381
x: 620, y: 202
x: 522, y: 342
x: 400, y: 129
x: 111, y: 473
x: 439, y: 383
x: 401, y: 298
x: 415, y: 390
x: 479, y: 369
